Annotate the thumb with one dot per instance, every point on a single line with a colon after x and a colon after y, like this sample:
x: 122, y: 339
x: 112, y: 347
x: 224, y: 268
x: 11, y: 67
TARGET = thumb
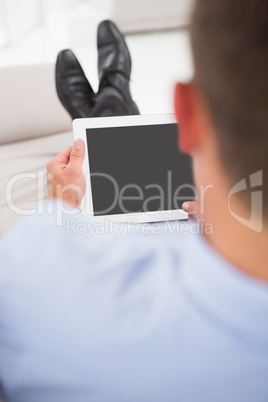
x: 77, y: 154
x: 192, y: 207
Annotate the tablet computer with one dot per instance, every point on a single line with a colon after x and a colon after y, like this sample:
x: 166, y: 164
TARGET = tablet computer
x: 134, y: 169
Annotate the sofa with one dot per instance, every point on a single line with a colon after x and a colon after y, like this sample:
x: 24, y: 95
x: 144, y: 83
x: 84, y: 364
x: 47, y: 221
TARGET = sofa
x: 140, y: 15
x: 34, y: 128
x: 130, y: 15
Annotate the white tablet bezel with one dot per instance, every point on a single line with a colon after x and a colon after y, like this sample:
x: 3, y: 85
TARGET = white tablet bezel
x: 79, y: 131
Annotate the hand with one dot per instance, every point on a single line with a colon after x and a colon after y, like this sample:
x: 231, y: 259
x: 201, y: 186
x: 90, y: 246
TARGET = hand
x: 192, y: 208
x: 65, y: 177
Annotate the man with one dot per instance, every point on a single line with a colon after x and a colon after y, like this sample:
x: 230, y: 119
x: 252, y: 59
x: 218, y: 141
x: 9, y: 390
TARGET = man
x: 160, y: 316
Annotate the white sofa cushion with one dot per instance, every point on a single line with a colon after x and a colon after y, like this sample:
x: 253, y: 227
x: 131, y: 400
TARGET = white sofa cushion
x: 29, y: 104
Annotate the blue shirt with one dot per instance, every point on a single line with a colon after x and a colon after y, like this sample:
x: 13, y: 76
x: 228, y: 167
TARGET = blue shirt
x: 89, y: 313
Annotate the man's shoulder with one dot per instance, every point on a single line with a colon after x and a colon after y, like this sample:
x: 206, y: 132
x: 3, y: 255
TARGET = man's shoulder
x: 73, y: 247
x: 98, y: 270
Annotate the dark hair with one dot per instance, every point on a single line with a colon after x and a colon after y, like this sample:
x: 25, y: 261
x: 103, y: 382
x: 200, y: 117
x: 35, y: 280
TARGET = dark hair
x: 230, y: 48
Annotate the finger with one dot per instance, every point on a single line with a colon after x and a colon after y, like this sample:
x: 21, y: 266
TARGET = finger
x: 64, y: 156
x: 191, y: 207
x: 77, y: 154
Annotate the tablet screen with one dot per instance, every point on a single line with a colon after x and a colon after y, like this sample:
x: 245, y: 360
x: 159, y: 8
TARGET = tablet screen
x: 138, y: 169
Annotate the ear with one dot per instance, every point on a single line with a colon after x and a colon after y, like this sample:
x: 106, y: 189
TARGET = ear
x: 188, y: 110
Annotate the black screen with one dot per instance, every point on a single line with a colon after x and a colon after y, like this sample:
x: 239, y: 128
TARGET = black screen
x: 138, y: 169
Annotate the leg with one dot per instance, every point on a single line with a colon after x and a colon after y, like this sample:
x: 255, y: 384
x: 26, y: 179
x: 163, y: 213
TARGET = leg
x: 114, y: 65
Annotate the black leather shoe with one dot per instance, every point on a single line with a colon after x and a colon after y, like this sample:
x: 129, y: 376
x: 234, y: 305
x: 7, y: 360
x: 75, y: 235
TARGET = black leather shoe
x: 73, y: 88
x: 114, y: 65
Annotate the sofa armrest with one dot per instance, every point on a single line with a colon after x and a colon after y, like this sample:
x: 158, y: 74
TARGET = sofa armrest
x: 142, y: 15
x: 29, y: 104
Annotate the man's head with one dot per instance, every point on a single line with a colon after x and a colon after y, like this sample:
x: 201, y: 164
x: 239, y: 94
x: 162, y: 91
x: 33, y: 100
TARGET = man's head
x: 230, y: 87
